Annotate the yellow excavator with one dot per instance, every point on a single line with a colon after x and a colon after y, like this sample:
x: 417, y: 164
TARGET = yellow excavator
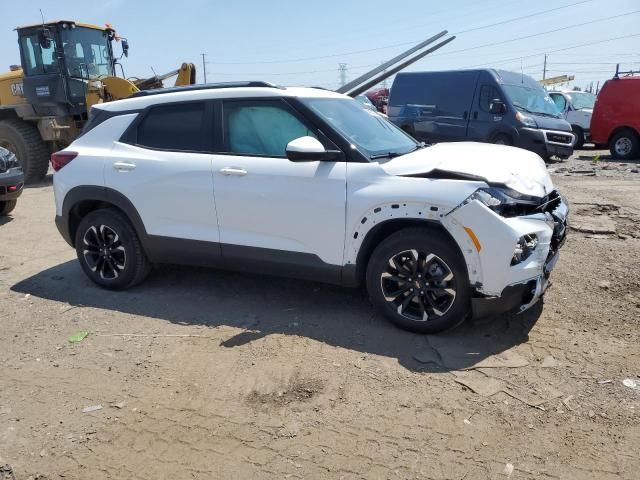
x: 66, y: 67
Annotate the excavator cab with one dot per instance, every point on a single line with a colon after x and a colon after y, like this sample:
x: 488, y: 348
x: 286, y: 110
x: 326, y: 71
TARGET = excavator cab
x: 59, y: 60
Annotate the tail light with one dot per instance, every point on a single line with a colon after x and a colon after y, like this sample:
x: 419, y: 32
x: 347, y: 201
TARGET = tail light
x: 60, y: 159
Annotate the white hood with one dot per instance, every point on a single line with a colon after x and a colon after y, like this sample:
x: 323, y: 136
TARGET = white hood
x: 516, y: 168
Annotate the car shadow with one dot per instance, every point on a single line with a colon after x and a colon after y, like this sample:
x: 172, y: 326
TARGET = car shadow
x: 262, y: 305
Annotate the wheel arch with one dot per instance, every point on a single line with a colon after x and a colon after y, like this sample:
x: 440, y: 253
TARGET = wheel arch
x: 80, y: 201
x: 387, y: 228
x: 619, y: 129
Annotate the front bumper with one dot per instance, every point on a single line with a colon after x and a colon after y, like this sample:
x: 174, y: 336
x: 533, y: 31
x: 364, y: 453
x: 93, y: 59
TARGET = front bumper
x: 500, y: 286
x: 11, y: 184
x: 546, y: 143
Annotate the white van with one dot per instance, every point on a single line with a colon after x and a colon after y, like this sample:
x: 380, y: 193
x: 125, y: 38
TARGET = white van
x: 577, y: 108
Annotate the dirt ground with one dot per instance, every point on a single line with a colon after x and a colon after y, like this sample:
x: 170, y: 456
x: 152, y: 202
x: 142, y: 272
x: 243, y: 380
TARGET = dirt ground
x: 205, y: 374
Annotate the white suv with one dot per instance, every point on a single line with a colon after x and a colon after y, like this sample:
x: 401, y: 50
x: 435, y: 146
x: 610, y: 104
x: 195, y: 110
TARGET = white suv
x: 304, y: 182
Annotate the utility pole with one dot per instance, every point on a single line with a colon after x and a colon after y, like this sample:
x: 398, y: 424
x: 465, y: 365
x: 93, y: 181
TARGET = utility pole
x: 544, y: 69
x: 204, y: 66
x: 342, y: 68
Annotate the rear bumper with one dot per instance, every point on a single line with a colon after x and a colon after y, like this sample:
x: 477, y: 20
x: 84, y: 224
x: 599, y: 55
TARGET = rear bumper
x: 11, y: 184
x: 62, y: 223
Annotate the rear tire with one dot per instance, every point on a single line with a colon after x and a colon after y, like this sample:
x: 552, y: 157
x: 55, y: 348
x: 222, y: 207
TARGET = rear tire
x: 419, y: 281
x: 110, y: 251
x: 7, y: 207
x: 625, y: 145
x: 579, y: 134
x: 24, y: 140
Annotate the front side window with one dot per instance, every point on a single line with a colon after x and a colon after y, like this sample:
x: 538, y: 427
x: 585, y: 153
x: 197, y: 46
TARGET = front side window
x: 560, y: 101
x: 261, y: 128
x: 38, y: 60
x: 370, y: 132
x: 173, y: 127
x: 488, y: 94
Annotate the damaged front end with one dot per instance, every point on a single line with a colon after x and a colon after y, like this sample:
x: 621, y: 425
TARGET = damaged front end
x: 516, y: 239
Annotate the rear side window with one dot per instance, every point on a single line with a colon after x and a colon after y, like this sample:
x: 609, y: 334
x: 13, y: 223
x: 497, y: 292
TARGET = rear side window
x: 173, y: 127
x: 488, y: 93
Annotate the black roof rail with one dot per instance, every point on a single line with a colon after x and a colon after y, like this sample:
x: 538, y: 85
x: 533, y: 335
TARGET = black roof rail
x: 206, y: 86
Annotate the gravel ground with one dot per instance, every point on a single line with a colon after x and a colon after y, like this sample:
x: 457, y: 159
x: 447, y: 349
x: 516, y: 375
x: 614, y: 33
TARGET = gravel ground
x: 207, y: 374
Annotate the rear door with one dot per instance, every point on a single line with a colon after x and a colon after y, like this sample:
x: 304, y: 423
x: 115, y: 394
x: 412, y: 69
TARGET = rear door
x: 163, y: 166
x: 484, y: 125
x: 444, y: 107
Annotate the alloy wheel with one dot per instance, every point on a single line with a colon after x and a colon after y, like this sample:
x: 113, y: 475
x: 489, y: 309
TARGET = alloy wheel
x: 103, y: 252
x: 419, y: 285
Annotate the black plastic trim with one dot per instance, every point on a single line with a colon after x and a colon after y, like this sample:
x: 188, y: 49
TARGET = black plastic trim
x: 99, y: 116
x: 207, y: 86
x: 511, y: 299
x: 439, y: 174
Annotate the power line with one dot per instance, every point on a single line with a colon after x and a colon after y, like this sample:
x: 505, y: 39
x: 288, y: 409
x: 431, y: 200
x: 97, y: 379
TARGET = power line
x: 355, y: 52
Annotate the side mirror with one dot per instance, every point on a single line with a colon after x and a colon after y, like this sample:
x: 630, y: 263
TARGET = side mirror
x: 125, y: 47
x: 309, y: 149
x: 497, y: 106
x: 44, y: 38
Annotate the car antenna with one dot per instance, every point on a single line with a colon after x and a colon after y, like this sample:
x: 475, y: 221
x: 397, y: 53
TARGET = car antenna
x: 521, y: 73
x: 41, y: 16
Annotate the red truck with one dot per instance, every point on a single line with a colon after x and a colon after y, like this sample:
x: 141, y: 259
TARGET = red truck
x: 616, y: 117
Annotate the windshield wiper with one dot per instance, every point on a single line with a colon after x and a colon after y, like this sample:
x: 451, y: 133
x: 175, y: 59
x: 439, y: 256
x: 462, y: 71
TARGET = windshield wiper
x: 385, y: 155
x: 517, y: 105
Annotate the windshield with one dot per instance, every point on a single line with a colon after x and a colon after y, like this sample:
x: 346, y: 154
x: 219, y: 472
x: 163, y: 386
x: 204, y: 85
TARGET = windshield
x: 365, y: 102
x: 532, y: 99
x: 582, y: 100
x: 86, y: 52
x: 368, y: 131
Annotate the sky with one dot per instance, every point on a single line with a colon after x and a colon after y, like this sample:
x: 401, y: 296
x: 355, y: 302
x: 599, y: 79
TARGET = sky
x: 293, y: 42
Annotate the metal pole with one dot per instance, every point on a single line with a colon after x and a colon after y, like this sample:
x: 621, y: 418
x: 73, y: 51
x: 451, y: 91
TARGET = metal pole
x: 373, y: 80
x: 544, y: 69
x: 393, y: 61
x: 204, y: 66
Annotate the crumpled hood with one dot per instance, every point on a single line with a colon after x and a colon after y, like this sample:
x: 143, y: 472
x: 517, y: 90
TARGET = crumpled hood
x: 516, y: 168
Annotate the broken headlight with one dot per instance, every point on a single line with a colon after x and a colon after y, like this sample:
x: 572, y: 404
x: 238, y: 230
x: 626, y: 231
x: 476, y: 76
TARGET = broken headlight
x: 524, y: 248
x: 504, y: 201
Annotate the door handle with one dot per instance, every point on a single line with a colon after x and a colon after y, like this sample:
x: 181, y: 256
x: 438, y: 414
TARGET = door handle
x: 237, y: 171
x: 124, y: 166
x: 475, y: 115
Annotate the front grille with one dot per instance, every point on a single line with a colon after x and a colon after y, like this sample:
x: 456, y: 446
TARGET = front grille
x: 559, y: 138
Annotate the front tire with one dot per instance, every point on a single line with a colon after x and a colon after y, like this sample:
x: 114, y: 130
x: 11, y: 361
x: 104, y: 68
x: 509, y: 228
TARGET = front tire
x: 579, y: 134
x: 625, y: 145
x: 502, y: 139
x: 419, y: 281
x: 7, y: 207
x: 109, y: 250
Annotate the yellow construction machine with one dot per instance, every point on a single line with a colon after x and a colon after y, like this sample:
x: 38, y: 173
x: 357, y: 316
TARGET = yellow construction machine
x: 66, y: 67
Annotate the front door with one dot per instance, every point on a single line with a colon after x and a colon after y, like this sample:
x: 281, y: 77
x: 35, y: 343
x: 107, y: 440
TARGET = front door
x: 273, y: 212
x: 484, y: 124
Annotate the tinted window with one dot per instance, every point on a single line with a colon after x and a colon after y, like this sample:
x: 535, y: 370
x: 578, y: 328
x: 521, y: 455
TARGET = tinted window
x: 261, y: 128
x: 487, y: 95
x: 559, y: 100
x: 38, y: 60
x: 173, y: 127
x: 444, y: 93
